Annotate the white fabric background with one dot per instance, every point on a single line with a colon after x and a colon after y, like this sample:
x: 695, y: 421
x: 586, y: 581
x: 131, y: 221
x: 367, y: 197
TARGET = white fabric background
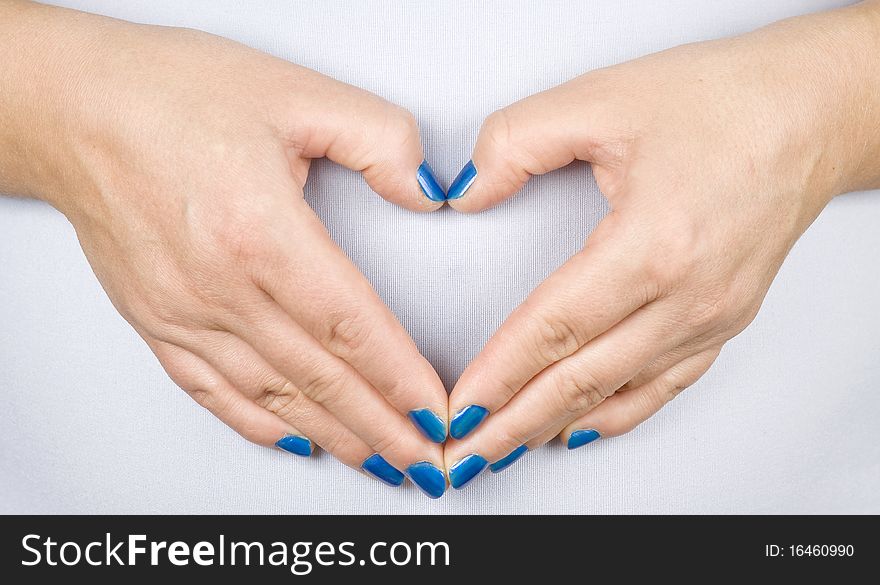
x: 786, y: 421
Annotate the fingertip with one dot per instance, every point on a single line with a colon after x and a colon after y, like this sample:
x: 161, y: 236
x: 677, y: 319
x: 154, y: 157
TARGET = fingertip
x: 466, y: 193
x: 466, y: 469
x: 466, y: 420
x: 419, y: 192
x: 420, y: 204
x: 466, y: 206
x: 429, y: 184
x: 296, y: 444
x: 483, y: 185
x: 388, y: 152
x: 508, y: 459
x: 462, y: 182
x: 617, y: 415
x: 429, y: 424
x: 376, y: 466
x: 429, y: 478
x: 580, y: 437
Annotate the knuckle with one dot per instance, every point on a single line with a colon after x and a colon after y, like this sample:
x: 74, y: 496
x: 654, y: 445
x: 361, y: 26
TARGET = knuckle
x: 187, y: 322
x: 392, y: 151
x: 746, y: 316
x: 653, y: 399
x: 555, y: 338
x: 205, y: 392
x: 665, y: 267
x: 324, y: 384
x: 181, y: 303
x: 659, y: 270
x: 200, y: 395
x: 279, y: 387
x: 239, y: 238
x: 346, y: 333
x: 507, y: 132
x: 182, y: 370
x: 222, y: 404
x: 163, y: 309
x: 405, y: 122
x: 498, y: 128
x: 230, y: 232
x: 710, y: 311
x: 177, y: 370
x: 581, y: 391
x: 669, y: 261
x: 265, y: 382
x: 739, y: 317
x: 400, y: 128
x: 164, y: 325
x: 285, y: 400
x: 504, y: 156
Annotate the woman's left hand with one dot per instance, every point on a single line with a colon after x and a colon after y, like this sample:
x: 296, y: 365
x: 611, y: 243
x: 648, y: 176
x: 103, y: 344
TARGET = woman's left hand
x: 715, y: 157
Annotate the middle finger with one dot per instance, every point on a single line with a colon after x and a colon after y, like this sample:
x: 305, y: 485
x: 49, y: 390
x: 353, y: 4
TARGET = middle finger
x: 567, y: 389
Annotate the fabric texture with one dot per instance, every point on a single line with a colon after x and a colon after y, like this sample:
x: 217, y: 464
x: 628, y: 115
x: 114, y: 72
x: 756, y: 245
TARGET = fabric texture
x: 786, y: 420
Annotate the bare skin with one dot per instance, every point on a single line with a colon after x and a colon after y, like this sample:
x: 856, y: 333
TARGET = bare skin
x: 715, y: 157
x: 180, y: 159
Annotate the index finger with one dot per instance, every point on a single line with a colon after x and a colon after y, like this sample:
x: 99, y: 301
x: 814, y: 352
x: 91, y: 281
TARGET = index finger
x: 558, y: 318
x: 351, y: 321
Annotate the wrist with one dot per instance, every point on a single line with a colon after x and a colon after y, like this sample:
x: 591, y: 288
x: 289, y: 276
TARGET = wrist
x: 817, y: 82
x: 864, y: 149
x: 842, y: 49
x: 50, y: 52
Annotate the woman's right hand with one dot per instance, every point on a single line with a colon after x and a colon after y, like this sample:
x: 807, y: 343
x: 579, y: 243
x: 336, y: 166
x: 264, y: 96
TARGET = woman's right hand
x: 180, y: 159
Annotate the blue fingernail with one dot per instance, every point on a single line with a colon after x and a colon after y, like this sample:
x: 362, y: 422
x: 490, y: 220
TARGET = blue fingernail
x: 463, y: 181
x: 296, y: 444
x: 376, y: 466
x: 508, y: 460
x: 429, y: 184
x: 431, y: 425
x: 465, y: 470
x: 427, y: 478
x: 581, y: 438
x: 466, y: 420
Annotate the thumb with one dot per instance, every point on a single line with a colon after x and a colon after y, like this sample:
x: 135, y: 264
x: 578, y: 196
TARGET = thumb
x: 365, y: 133
x: 533, y: 136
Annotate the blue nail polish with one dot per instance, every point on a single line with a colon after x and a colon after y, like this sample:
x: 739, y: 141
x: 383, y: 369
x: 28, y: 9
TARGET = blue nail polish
x: 431, y: 425
x: 508, y: 460
x: 296, y: 444
x: 581, y: 438
x: 427, y: 478
x: 465, y: 470
x: 463, y: 181
x: 376, y: 466
x: 429, y: 184
x: 466, y: 420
